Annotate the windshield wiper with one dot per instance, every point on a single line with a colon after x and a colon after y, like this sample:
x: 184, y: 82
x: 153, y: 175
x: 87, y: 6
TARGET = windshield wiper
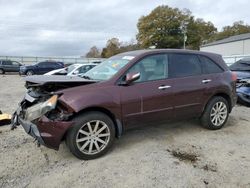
x: 86, y: 77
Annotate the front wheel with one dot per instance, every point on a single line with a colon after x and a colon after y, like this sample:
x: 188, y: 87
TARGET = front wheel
x: 2, y: 71
x: 91, y: 136
x: 215, y: 114
x: 29, y: 73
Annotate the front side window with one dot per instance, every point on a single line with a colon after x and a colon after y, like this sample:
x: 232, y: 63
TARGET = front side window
x: 183, y: 65
x: 154, y: 67
x: 15, y: 63
x: 42, y: 64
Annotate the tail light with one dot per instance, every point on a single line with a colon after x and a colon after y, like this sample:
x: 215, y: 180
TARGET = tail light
x: 234, y: 76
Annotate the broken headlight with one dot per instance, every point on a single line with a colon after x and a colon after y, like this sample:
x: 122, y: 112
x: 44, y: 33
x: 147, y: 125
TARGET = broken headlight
x: 40, y: 109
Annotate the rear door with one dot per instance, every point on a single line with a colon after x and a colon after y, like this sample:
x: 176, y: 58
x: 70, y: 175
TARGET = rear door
x: 44, y: 67
x: 212, y: 77
x: 188, y: 86
x: 16, y: 66
x: 7, y: 65
x: 149, y: 99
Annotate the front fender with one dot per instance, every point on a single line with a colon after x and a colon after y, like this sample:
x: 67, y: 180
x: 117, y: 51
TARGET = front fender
x: 80, y: 99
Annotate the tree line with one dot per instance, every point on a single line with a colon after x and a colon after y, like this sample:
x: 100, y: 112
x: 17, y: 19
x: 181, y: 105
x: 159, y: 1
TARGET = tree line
x: 166, y: 27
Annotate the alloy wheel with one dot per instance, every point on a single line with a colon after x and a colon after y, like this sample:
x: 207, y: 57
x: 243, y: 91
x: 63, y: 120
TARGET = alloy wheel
x: 218, y: 113
x: 29, y: 73
x: 93, y: 137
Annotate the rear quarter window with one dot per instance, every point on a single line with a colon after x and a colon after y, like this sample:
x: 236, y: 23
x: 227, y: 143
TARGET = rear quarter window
x: 209, y: 66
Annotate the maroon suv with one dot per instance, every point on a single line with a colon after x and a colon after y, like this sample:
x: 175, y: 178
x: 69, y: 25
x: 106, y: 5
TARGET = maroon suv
x: 125, y: 91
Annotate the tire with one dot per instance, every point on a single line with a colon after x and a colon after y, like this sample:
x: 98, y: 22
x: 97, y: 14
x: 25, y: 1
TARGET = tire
x: 79, y: 138
x: 2, y: 71
x: 29, y: 73
x: 215, y: 114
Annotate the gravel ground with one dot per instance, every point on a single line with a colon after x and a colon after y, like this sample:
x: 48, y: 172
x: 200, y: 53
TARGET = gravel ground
x: 179, y: 154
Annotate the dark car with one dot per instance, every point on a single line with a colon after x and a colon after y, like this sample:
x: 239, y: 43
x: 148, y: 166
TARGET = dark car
x: 40, y: 68
x: 242, y: 69
x: 125, y: 91
x: 9, y: 66
x: 241, y: 65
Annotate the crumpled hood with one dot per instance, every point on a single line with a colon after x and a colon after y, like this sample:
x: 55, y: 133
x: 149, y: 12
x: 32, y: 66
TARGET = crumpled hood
x: 42, y: 79
x: 52, y: 83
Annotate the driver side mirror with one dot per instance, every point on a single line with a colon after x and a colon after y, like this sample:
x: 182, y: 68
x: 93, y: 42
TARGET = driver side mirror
x: 131, y: 77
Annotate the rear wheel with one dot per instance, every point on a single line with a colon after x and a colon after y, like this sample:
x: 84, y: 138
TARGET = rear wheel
x: 92, y: 135
x: 215, y: 114
x: 29, y: 73
x: 2, y: 71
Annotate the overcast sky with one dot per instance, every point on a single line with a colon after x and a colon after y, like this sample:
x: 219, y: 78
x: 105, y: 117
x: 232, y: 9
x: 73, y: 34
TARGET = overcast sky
x: 68, y: 28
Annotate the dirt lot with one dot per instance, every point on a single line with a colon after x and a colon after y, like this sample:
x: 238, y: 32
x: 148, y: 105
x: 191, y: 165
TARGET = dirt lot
x: 179, y: 154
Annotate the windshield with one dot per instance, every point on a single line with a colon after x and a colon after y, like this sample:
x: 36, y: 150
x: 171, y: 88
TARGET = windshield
x: 107, y: 68
x: 71, y: 68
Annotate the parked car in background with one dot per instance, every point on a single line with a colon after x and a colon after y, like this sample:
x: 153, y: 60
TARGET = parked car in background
x: 242, y: 69
x: 9, y: 66
x: 125, y: 91
x: 73, y: 70
x: 241, y: 65
x: 40, y: 68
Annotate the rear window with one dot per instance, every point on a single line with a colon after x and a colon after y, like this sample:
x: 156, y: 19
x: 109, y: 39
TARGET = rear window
x: 183, y: 65
x: 209, y: 66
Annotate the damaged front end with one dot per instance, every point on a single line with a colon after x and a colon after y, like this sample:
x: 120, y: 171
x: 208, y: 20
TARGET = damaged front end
x: 42, y: 114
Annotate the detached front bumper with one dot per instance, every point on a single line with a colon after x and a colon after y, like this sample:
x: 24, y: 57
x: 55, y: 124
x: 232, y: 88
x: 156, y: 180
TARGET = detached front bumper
x: 46, y: 131
x: 31, y: 129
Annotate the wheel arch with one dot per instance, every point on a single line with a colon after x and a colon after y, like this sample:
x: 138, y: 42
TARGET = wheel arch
x: 117, y: 122
x: 2, y: 70
x: 221, y: 94
x: 29, y: 70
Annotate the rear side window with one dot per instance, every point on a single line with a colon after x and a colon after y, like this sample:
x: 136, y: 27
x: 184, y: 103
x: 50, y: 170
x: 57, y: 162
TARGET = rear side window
x: 183, y: 65
x: 7, y: 63
x: 58, y: 65
x: 210, y: 67
x: 55, y: 65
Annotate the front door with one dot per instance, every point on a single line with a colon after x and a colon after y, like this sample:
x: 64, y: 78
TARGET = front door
x: 149, y: 99
x: 16, y: 66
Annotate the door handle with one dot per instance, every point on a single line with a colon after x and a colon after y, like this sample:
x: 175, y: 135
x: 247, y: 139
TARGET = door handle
x: 206, y: 81
x: 164, y: 87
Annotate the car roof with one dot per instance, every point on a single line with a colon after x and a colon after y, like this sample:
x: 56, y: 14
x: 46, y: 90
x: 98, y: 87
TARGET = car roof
x: 50, y: 61
x: 152, y: 51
